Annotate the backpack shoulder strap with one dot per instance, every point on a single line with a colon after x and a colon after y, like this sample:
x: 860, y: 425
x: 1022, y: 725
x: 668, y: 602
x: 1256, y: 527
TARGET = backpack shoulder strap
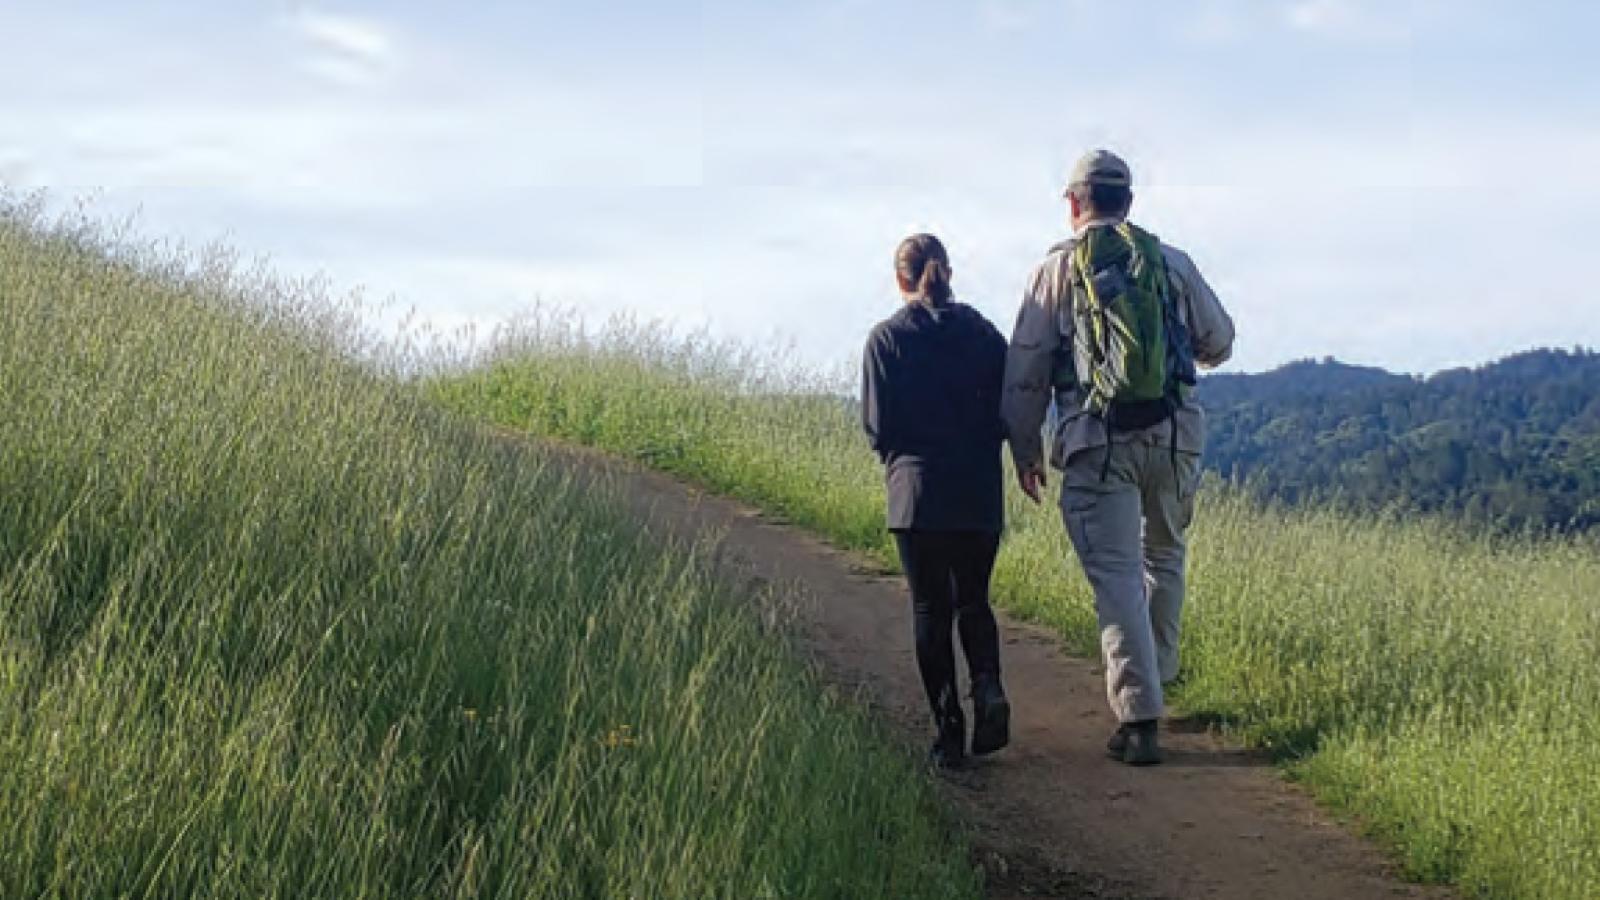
x: 1146, y: 249
x: 1180, y: 352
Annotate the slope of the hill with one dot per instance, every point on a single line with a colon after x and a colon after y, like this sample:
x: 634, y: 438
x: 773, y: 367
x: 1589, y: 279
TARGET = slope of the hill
x: 1514, y: 443
x: 1051, y: 817
x: 1440, y: 684
x: 273, y: 626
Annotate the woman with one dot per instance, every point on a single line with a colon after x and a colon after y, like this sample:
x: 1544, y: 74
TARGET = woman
x: 931, y: 407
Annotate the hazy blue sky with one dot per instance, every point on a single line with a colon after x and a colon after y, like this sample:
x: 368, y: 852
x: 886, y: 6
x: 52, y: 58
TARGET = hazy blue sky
x: 1413, y: 184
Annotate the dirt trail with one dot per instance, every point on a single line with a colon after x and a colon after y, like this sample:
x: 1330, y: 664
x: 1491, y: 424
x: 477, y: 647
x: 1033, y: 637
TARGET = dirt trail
x: 1051, y: 815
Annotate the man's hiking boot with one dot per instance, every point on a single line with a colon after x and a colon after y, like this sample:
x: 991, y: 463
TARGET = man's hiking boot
x: 1117, y: 744
x: 1143, y: 744
x: 992, y: 714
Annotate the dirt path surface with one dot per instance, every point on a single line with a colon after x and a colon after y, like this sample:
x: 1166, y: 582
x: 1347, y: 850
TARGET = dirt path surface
x: 1051, y: 816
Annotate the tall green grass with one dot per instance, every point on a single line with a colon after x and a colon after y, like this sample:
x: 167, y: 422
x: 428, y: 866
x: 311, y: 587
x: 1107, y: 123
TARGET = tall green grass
x: 1444, y: 687
x: 272, y: 625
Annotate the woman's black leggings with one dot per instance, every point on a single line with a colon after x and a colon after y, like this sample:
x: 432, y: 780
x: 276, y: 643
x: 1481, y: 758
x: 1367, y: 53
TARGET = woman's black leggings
x: 948, y: 572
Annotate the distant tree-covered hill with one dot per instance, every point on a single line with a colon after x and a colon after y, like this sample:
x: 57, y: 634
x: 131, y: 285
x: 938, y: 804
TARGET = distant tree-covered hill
x: 1516, y: 442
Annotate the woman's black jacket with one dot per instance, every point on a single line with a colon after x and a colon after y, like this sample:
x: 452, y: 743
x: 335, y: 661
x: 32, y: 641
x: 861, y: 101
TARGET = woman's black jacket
x: 930, y: 404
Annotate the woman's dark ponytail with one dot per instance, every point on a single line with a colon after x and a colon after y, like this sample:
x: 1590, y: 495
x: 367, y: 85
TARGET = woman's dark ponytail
x: 923, y: 263
x: 935, y: 283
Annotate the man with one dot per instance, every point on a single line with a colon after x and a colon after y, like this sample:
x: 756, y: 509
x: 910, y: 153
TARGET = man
x: 1129, y: 432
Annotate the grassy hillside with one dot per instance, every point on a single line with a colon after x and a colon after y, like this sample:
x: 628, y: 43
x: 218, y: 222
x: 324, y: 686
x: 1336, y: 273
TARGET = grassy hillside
x: 1442, y: 686
x: 271, y: 625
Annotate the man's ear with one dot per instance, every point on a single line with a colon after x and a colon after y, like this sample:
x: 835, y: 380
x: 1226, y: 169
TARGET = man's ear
x: 1072, y: 203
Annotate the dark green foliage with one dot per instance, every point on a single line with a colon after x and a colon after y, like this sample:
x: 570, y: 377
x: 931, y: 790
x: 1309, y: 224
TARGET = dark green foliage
x: 1512, y: 444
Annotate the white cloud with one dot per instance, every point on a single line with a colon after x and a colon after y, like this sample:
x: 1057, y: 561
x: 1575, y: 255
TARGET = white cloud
x: 1227, y: 22
x: 341, y: 71
x: 1356, y: 20
x: 348, y: 51
x: 766, y: 195
x: 336, y: 153
x: 15, y: 167
x: 347, y: 36
x: 1215, y: 23
x: 1317, y: 15
x: 1007, y: 15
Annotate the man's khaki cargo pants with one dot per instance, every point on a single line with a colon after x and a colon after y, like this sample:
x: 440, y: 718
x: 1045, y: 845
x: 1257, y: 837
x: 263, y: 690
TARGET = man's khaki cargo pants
x: 1128, y: 530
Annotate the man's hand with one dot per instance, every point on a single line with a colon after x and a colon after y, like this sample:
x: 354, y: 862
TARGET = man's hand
x: 1032, y: 479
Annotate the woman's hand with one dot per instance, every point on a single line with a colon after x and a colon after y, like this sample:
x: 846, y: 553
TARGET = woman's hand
x: 1033, y: 480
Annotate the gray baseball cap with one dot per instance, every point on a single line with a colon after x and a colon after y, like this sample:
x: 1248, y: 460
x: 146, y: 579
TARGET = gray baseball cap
x: 1100, y: 166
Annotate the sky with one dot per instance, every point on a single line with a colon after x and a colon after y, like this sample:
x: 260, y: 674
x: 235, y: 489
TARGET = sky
x: 1412, y: 183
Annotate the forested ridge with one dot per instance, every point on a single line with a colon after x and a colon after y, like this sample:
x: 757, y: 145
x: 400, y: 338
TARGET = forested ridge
x: 1514, y: 443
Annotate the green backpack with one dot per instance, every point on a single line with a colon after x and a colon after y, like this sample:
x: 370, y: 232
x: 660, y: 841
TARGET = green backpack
x: 1131, y: 351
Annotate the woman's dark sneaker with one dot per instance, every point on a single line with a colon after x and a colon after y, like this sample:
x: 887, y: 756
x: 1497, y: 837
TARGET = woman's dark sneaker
x: 1144, y: 744
x: 1117, y: 744
x: 948, y: 751
x: 991, y: 729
